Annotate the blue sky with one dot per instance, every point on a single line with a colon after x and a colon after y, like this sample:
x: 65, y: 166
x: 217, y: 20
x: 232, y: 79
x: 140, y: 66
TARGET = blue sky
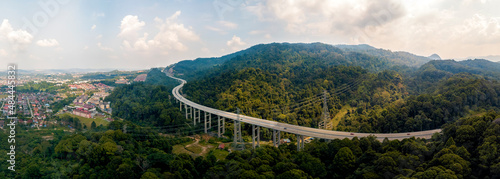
x: 56, y: 34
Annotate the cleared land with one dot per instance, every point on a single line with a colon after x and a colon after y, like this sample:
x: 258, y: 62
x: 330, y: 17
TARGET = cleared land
x: 88, y: 121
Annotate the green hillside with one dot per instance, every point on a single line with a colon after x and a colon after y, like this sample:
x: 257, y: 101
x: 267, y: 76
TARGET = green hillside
x: 351, y: 55
x: 284, y: 82
x: 399, y: 58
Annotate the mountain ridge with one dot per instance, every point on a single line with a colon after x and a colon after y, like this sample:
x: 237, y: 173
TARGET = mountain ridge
x: 189, y: 68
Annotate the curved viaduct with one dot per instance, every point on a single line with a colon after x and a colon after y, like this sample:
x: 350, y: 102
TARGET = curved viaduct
x: 193, y: 110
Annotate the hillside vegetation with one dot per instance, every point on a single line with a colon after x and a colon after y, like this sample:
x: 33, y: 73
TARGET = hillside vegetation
x: 284, y: 82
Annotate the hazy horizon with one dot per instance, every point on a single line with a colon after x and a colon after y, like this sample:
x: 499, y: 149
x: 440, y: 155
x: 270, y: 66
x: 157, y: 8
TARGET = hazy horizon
x: 140, y: 35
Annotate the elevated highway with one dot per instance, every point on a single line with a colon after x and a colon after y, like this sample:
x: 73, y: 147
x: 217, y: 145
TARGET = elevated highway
x: 193, y: 110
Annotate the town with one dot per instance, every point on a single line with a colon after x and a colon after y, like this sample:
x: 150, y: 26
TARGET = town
x: 43, y: 98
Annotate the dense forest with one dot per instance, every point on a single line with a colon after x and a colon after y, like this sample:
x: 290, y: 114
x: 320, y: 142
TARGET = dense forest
x: 367, y: 90
x: 468, y: 148
x: 398, y: 58
x: 284, y: 82
x: 148, y: 103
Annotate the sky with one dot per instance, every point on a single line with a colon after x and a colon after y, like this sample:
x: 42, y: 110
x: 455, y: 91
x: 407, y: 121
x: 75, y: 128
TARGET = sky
x: 127, y: 34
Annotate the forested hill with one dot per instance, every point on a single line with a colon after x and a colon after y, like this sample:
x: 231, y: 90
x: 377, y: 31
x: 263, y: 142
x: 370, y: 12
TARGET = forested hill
x: 476, y: 66
x: 190, y: 68
x: 296, y: 53
x: 284, y: 82
x: 398, y: 58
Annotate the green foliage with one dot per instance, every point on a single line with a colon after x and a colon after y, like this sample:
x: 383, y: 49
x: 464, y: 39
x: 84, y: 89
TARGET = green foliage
x: 56, y: 106
x: 399, y: 58
x: 145, y: 104
x: 43, y: 86
x: 115, y: 74
x: 283, y: 82
x: 142, y: 153
x: 344, y: 162
x: 156, y: 77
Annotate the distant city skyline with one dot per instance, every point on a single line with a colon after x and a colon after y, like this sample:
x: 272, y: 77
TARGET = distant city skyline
x: 64, y: 34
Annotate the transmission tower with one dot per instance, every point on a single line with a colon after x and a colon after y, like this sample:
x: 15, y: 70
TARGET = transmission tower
x: 325, y: 116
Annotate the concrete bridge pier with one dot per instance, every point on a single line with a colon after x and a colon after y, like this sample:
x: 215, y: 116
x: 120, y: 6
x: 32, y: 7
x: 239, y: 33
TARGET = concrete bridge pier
x: 199, y: 116
x: 238, y: 140
x: 208, y: 121
x: 255, y: 135
x: 300, y: 142
x: 221, y: 124
x: 193, y: 113
x: 276, y: 138
x: 195, y: 117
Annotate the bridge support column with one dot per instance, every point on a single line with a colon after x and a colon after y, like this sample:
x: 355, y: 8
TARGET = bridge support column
x: 193, y: 113
x: 186, y: 108
x: 276, y: 138
x: 197, y: 116
x: 300, y: 142
x: 180, y: 106
x: 238, y: 141
x: 208, y: 120
x: 220, y: 129
x: 205, y: 122
x: 222, y: 126
x: 255, y: 135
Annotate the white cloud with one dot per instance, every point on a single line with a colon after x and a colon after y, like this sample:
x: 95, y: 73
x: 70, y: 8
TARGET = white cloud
x: 256, y: 32
x: 130, y: 26
x: 5, y: 28
x: 228, y: 24
x: 235, y: 43
x: 93, y: 27
x: 324, y: 16
x: 215, y: 29
x: 449, y: 28
x: 480, y: 29
x: 205, y: 50
x: 222, y: 26
x: 47, y: 43
x: 260, y: 32
x: 86, y: 47
x: 99, y: 14
x: 171, y: 35
x: 19, y: 39
x: 103, y: 47
x: 3, y: 52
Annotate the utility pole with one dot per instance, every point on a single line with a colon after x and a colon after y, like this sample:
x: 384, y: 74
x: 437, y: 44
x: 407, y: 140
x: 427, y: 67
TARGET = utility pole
x: 325, y: 116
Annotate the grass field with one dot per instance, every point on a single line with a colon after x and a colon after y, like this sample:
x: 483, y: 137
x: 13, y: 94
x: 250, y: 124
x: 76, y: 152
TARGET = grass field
x: 195, y: 149
x: 179, y: 149
x: 3, y: 95
x: 343, y: 111
x: 88, y: 121
x: 220, y: 154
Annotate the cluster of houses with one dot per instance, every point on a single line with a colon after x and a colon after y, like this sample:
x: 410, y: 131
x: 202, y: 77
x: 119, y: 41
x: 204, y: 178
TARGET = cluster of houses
x: 88, y: 86
x: 84, y: 86
x: 86, y: 106
x: 141, y: 77
x: 122, y: 81
x: 34, y: 106
x: 104, y: 87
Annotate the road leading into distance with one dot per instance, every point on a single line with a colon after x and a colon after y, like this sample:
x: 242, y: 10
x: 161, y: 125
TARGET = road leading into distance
x: 295, y: 129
